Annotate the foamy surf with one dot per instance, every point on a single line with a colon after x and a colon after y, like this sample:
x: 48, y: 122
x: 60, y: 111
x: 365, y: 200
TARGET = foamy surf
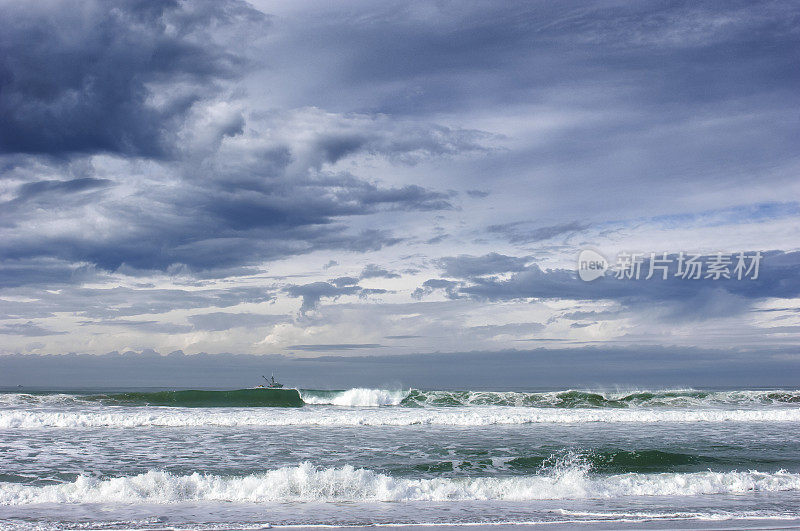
x: 334, y: 416
x: 309, y: 483
x: 357, y: 397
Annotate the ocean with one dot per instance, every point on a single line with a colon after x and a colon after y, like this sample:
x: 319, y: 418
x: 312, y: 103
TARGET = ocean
x: 142, y: 458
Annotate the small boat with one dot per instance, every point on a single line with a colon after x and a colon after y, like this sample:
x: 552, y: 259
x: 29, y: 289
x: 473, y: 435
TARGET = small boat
x: 271, y: 383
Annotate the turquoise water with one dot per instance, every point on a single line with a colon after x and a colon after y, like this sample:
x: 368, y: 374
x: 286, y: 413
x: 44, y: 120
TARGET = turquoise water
x: 140, y: 458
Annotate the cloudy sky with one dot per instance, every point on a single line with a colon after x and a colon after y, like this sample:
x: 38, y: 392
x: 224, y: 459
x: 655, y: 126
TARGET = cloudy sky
x: 372, y: 178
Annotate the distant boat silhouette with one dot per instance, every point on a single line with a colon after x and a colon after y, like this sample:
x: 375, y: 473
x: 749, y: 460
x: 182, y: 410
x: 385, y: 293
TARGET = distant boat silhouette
x: 271, y: 383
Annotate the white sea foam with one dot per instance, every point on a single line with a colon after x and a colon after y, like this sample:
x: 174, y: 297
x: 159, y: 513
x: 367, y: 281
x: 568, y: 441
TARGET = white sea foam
x: 308, y: 483
x: 336, y: 416
x: 27, y: 400
x: 356, y: 397
x: 616, y: 516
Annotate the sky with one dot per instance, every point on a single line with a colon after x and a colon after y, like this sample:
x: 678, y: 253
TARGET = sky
x: 398, y: 179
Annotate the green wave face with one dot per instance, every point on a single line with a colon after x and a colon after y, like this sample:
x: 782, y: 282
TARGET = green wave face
x: 643, y: 461
x: 237, y: 398
x: 598, y: 461
x: 617, y: 461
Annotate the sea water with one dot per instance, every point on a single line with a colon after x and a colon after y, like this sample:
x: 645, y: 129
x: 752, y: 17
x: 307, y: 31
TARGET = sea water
x: 150, y: 459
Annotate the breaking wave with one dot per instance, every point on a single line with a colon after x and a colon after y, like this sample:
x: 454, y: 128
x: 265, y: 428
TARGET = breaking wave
x: 365, y: 397
x: 355, y: 397
x: 308, y: 483
x: 585, y: 399
x: 334, y: 416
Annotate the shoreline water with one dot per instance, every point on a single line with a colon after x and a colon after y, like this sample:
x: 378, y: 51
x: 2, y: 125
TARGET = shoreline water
x: 402, y: 459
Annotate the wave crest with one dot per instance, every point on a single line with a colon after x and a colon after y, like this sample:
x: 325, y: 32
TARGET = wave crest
x: 355, y: 397
x: 309, y: 483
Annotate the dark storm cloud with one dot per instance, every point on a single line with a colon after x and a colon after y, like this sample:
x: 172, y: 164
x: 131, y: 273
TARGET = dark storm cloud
x: 79, y: 76
x: 466, y: 266
x: 123, y: 78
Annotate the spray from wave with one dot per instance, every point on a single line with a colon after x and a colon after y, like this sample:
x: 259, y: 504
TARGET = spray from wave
x: 355, y: 397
